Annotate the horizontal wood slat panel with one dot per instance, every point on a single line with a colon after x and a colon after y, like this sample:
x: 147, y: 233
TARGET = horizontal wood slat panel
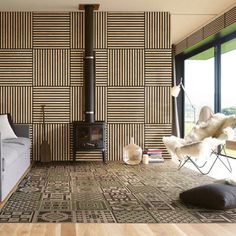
x: 76, y: 67
x: 125, y: 29
x: 57, y: 102
x: 125, y: 105
x: 101, y: 67
x: 16, y: 67
x: 154, y: 134
x: 51, y: 30
x: 16, y: 30
x: 41, y: 62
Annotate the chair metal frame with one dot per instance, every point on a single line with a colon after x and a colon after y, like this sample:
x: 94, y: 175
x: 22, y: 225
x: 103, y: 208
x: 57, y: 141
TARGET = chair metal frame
x: 218, y: 157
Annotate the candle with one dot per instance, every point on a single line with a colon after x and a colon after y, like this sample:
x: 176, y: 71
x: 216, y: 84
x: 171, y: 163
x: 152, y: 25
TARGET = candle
x: 145, y: 159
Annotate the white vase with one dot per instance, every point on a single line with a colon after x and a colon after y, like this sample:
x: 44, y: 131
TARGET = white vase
x: 132, y: 153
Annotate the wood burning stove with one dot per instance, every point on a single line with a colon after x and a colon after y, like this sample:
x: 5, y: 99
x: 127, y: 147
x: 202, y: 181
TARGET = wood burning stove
x: 89, y: 134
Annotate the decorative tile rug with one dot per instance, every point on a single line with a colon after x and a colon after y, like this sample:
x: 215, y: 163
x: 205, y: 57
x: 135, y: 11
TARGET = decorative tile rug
x: 92, y: 192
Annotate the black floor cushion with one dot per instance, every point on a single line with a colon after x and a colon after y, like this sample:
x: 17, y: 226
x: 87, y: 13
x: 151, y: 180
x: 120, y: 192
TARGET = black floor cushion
x: 214, y: 196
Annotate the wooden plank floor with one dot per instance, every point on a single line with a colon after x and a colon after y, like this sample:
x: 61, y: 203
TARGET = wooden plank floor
x: 36, y: 229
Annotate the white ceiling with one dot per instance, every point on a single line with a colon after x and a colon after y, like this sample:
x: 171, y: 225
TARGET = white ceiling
x: 186, y: 15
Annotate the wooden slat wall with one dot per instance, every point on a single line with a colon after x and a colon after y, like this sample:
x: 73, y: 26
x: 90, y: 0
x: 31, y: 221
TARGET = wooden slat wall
x: 41, y: 62
x: 16, y: 30
x: 212, y: 28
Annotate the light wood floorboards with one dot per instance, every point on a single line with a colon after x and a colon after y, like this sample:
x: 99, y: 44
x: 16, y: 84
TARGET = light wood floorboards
x: 117, y: 229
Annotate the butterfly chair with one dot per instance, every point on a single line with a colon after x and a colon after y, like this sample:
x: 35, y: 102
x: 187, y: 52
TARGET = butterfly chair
x: 206, y: 139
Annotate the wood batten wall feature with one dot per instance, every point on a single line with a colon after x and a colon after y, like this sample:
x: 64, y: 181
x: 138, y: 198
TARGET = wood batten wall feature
x: 125, y: 30
x: 125, y: 104
x: 77, y: 30
x: 51, y: 67
x: 51, y: 30
x: 153, y: 140
x: 100, y: 27
x: 16, y: 30
x: 123, y: 133
x: 158, y: 105
x: 214, y: 27
x: 101, y: 103
x: 158, y: 67
x: 16, y: 67
x: 211, y: 29
x: 76, y: 103
x: 18, y: 102
x: 230, y: 17
x: 41, y: 62
x: 76, y: 68
x: 157, y: 30
x: 58, y: 136
x: 101, y: 67
x: 195, y: 37
x: 57, y: 101
x: 126, y: 67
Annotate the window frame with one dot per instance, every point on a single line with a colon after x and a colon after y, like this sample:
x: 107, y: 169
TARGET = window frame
x: 216, y: 43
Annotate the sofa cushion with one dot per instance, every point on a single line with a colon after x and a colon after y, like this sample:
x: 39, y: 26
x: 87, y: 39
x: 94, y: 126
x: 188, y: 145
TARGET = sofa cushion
x: 5, y: 128
x: 13, y: 148
x: 214, y: 196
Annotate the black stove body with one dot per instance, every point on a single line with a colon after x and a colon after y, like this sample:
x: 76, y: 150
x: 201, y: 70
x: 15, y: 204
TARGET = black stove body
x: 89, y: 134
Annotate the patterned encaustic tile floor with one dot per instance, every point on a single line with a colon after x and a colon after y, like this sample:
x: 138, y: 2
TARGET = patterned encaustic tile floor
x: 92, y: 192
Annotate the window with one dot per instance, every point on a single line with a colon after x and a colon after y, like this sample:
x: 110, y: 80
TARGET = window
x: 199, y: 86
x: 228, y: 83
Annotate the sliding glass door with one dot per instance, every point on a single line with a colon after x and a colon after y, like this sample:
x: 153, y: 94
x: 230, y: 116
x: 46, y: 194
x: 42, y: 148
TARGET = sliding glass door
x: 228, y: 84
x: 199, y: 86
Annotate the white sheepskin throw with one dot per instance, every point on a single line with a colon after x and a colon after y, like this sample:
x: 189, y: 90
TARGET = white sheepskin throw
x: 212, y: 128
x: 204, y: 137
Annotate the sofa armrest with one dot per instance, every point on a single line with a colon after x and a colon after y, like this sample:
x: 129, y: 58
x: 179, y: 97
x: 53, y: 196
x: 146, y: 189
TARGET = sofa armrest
x: 21, y: 130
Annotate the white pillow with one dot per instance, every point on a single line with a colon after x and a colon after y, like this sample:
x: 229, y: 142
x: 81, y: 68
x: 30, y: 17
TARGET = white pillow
x: 5, y: 128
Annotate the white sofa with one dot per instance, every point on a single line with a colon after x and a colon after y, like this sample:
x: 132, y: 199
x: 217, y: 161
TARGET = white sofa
x: 14, y: 159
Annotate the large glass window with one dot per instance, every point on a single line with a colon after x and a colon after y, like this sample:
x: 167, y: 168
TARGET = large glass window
x: 199, y: 86
x: 228, y: 84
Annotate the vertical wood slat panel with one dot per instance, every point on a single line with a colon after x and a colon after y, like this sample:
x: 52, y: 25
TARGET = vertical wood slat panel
x: 16, y: 30
x: 18, y: 102
x: 100, y: 30
x: 76, y: 104
x: 58, y: 40
x: 158, y: 105
x: 157, y: 30
x: 126, y: 67
x: 101, y: 103
x: 77, y: 30
x: 119, y: 135
x: 51, y: 67
x: 58, y: 137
